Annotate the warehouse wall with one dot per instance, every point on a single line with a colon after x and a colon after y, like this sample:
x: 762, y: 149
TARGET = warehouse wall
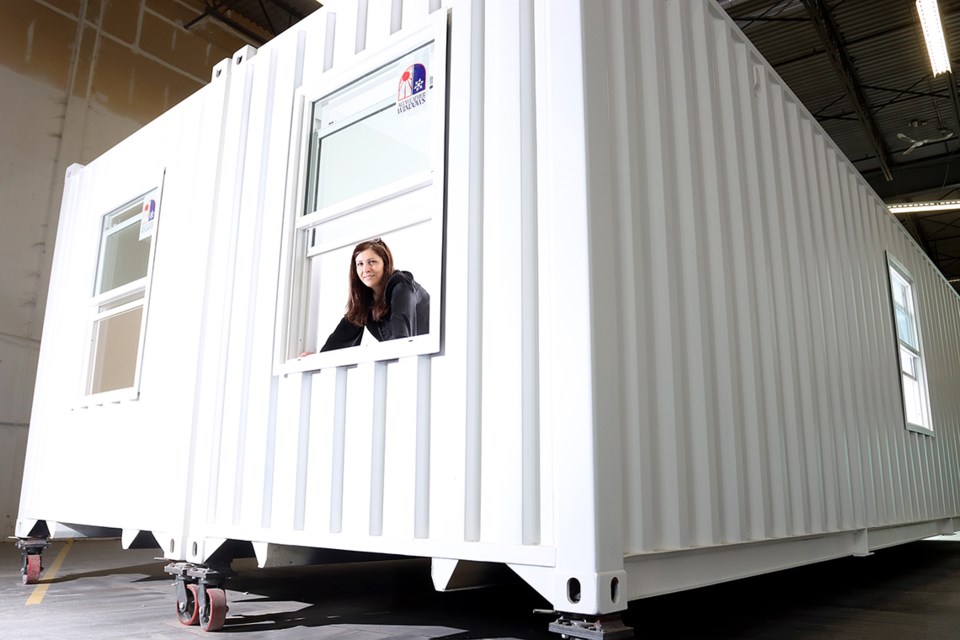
x: 76, y: 77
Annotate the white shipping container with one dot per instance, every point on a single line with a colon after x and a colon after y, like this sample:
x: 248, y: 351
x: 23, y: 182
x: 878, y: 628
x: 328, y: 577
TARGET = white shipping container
x: 675, y: 339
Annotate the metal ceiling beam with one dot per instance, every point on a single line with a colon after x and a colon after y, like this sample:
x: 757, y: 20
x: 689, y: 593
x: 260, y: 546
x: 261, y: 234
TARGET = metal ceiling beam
x: 293, y: 14
x: 909, y: 220
x: 830, y: 36
x: 905, y: 92
x: 903, y: 96
x: 953, y: 96
x: 940, y: 171
x: 750, y: 21
x: 212, y: 10
x: 882, y: 33
x: 266, y: 16
x: 292, y: 11
x: 873, y: 36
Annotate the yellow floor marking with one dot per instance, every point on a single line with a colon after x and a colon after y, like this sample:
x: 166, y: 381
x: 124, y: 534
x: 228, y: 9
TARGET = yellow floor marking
x: 41, y: 589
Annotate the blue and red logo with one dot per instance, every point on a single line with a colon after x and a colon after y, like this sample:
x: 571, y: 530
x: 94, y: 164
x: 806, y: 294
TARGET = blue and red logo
x: 149, y: 209
x: 411, y: 92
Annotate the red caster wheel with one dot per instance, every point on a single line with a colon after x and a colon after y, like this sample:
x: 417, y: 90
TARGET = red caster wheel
x: 31, y: 569
x: 188, y: 611
x: 215, y: 613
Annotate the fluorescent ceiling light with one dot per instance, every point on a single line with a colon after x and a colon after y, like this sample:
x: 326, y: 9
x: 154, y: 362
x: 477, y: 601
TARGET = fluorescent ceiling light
x: 933, y: 34
x: 918, y: 207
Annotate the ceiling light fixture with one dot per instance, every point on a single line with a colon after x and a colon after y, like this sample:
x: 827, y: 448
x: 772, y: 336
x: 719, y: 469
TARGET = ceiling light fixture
x: 918, y: 207
x: 933, y: 34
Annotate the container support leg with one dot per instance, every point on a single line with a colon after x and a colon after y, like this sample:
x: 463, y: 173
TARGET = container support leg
x: 606, y: 627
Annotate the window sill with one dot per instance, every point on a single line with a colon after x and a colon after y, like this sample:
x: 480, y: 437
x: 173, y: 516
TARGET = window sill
x: 114, y: 396
x: 377, y: 352
x: 916, y: 428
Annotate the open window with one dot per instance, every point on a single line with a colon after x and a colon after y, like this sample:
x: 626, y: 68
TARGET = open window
x: 119, y: 298
x: 913, y: 372
x: 370, y: 164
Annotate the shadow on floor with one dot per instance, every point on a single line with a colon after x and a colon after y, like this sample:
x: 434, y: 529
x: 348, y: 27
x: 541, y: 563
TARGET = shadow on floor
x: 901, y: 593
x: 395, y: 598
x: 154, y: 573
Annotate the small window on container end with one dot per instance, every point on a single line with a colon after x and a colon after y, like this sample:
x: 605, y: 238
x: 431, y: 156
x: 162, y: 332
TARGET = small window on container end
x: 913, y: 371
x: 119, y: 296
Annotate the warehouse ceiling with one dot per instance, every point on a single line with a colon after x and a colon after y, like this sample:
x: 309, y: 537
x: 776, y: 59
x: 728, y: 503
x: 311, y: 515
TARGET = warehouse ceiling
x: 258, y: 20
x: 859, y: 66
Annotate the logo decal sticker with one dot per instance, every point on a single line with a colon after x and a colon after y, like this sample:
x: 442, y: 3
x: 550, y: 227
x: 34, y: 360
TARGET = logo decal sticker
x: 148, y: 217
x: 412, y: 90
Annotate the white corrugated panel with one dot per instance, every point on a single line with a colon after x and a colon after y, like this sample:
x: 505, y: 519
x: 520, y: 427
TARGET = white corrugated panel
x: 743, y: 324
x: 379, y: 455
x: 114, y: 460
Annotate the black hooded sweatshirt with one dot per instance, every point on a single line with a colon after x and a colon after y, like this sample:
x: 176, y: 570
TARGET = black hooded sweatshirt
x: 409, y: 315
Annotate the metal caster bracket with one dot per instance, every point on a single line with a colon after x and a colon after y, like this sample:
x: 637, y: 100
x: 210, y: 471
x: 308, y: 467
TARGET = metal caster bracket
x: 608, y: 627
x: 201, y: 574
x: 201, y: 598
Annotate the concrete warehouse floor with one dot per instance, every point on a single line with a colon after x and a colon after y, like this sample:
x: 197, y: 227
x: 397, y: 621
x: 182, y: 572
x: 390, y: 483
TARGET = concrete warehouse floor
x: 100, y: 592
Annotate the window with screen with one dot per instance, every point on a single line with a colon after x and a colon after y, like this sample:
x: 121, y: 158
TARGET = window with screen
x: 913, y: 378
x: 120, y: 291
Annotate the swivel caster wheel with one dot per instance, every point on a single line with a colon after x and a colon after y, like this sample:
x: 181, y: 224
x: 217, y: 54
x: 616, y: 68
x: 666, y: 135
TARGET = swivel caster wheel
x: 188, y: 611
x: 31, y: 568
x: 213, y: 615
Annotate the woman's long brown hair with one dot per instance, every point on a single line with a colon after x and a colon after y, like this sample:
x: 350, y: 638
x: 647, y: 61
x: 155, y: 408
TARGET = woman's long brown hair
x: 363, y: 300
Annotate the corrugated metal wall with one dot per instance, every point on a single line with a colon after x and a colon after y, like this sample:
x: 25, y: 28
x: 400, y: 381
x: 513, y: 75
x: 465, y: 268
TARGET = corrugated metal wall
x: 106, y: 444
x: 387, y: 455
x: 742, y: 300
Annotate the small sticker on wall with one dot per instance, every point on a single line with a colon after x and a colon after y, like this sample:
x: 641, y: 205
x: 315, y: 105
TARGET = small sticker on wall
x: 412, y: 90
x: 148, y: 216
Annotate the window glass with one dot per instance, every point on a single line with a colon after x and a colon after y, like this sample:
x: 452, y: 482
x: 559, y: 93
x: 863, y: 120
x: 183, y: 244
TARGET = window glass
x: 123, y: 255
x: 913, y: 380
x: 367, y: 134
x: 908, y: 363
x: 905, y: 329
x: 126, y: 239
x: 912, y: 400
x: 116, y: 341
x: 899, y: 289
x: 372, y: 152
x: 903, y: 308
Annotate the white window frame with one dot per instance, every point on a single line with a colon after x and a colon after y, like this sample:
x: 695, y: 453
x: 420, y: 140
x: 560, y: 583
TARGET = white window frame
x: 895, y: 270
x: 294, y: 294
x: 98, y: 300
